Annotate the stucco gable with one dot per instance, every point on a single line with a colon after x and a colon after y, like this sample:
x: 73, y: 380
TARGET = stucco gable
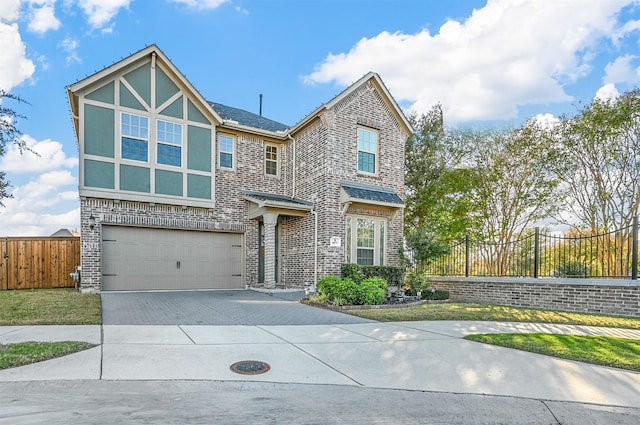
x: 150, y: 54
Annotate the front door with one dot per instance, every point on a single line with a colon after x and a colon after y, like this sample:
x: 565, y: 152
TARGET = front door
x: 261, y: 252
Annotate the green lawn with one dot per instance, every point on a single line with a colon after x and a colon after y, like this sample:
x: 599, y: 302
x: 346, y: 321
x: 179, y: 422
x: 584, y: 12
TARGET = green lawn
x: 49, y: 307
x: 45, y: 307
x: 494, y: 313
x: 605, y: 351
x: 14, y: 355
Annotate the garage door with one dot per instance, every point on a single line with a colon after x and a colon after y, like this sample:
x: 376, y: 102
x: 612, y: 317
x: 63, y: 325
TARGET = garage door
x: 139, y: 258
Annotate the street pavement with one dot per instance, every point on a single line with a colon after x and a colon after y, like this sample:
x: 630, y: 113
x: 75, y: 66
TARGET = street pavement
x: 370, y: 372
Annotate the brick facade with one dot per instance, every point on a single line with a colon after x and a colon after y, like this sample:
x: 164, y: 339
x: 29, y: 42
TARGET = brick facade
x: 601, y: 297
x: 314, y: 157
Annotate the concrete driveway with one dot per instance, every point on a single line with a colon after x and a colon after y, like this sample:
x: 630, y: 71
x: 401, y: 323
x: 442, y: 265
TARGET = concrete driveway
x: 216, y: 308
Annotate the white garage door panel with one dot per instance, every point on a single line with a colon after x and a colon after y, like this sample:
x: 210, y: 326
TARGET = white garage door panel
x: 138, y: 259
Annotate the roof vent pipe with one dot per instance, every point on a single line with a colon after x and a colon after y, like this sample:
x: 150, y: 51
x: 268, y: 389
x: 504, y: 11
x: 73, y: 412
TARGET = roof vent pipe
x: 260, y: 104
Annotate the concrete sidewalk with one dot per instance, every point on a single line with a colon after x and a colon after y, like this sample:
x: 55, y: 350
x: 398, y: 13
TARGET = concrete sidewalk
x: 418, y: 356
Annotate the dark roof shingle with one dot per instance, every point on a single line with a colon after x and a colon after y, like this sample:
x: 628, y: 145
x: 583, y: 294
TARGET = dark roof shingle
x: 247, y: 118
x: 371, y: 193
x: 276, y: 198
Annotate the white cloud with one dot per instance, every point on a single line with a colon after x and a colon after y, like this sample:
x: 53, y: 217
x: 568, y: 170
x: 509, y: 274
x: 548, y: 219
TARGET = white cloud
x: 26, y: 223
x: 509, y: 53
x: 546, y: 120
x: 43, y: 190
x: 108, y: 29
x: 628, y: 27
x: 41, y: 206
x: 44, y: 204
x: 44, y: 63
x: 43, y: 19
x: 607, y: 92
x: 50, y: 156
x: 622, y: 70
x: 45, y: 193
x: 100, y: 12
x: 15, y: 66
x: 70, y: 47
x: 9, y: 10
x: 201, y: 4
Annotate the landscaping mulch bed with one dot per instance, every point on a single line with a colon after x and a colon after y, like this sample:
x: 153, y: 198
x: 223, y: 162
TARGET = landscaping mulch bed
x: 368, y: 307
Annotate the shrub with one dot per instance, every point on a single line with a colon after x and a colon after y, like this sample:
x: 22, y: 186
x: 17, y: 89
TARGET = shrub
x: 571, y: 269
x: 325, y: 288
x: 392, y: 275
x: 336, y: 291
x: 415, y: 281
x: 345, y: 292
x: 436, y: 295
x: 352, y: 271
x: 372, y: 291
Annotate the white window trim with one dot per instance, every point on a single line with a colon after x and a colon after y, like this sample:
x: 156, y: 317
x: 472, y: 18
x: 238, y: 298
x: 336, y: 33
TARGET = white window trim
x: 147, y: 140
x: 233, y: 152
x: 352, y: 257
x: 158, y: 142
x: 278, y: 159
x: 376, y: 162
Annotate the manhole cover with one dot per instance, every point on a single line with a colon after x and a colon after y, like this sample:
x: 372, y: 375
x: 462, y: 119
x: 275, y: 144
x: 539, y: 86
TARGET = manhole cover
x: 250, y: 367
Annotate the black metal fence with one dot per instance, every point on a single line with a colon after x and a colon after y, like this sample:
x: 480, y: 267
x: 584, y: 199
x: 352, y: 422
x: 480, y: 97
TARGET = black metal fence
x: 612, y: 255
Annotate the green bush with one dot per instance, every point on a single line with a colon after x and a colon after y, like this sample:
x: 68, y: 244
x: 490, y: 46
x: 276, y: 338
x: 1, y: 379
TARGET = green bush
x: 436, y: 295
x: 336, y: 291
x: 352, y: 271
x: 372, y: 291
x: 392, y: 275
x: 345, y: 292
x: 415, y: 282
x: 325, y: 288
x: 573, y: 269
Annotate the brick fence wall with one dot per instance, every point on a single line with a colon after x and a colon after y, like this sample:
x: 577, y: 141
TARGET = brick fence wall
x: 578, y: 295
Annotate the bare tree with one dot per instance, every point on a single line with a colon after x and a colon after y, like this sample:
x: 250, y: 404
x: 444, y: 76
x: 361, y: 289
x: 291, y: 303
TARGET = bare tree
x: 599, y: 150
x: 515, y: 189
x: 9, y: 134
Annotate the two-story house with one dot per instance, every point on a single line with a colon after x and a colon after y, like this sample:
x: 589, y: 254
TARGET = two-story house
x: 177, y: 192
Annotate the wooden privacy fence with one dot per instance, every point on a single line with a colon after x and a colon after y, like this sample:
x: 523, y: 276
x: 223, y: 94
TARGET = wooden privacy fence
x: 36, y: 262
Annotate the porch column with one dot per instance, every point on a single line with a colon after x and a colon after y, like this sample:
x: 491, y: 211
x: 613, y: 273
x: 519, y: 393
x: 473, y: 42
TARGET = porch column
x: 270, y: 220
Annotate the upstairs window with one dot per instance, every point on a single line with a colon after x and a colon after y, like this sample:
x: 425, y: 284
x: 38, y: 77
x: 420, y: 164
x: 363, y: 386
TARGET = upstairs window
x: 169, y: 137
x: 225, y: 154
x: 271, y: 163
x: 367, y: 150
x: 135, y: 137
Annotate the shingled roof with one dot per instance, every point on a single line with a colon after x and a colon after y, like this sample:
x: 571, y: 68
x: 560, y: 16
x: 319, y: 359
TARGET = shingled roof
x: 247, y: 118
x: 262, y: 196
x: 365, y: 192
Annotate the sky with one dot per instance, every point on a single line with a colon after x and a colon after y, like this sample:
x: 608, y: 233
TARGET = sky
x: 487, y: 62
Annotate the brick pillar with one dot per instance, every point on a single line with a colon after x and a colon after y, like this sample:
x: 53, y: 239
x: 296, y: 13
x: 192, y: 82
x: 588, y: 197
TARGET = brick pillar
x: 270, y: 220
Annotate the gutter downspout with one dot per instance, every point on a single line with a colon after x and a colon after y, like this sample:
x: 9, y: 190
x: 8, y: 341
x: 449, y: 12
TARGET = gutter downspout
x: 293, y: 172
x: 315, y: 248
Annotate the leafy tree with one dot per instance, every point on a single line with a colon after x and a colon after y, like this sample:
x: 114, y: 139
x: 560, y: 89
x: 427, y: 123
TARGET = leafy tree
x: 601, y: 172
x: 9, y: 134
x: 516, y: 187
x: 600, y: 164
x: 437, y: 186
